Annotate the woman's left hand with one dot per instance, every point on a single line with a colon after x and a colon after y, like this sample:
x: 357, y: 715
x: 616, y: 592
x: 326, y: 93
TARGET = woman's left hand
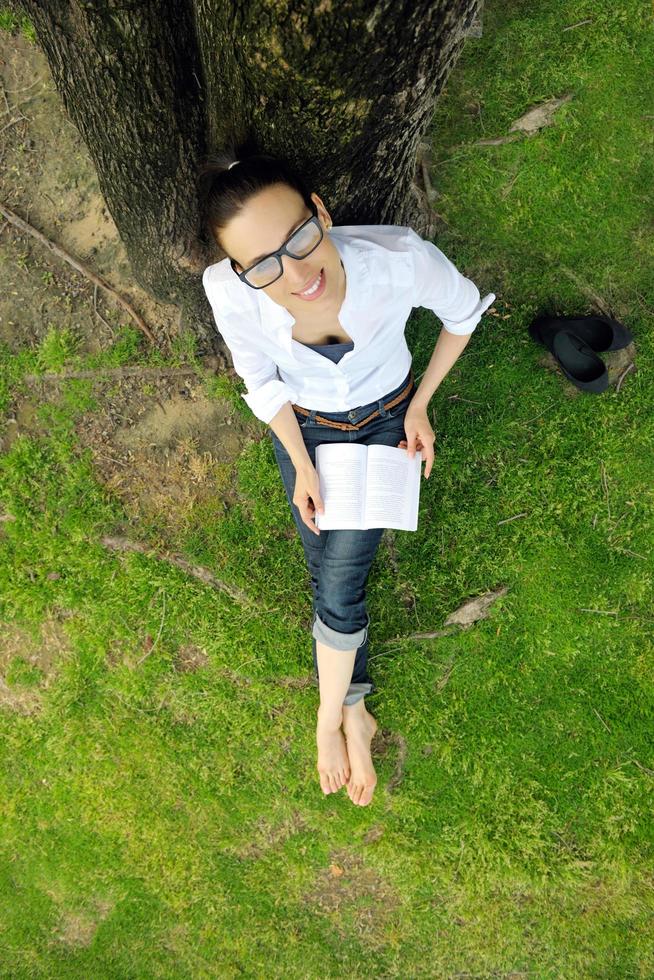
x: 419, y: 436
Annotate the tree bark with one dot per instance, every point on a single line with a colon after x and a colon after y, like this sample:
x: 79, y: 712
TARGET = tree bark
x: 345, y: 90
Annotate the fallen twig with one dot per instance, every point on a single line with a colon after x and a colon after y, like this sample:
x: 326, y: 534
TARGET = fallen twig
x: 601, y: 719
x: 445, y: 676
x: 650, y: 772
x: 119, y: 372
x: 496, y: 141
x: 148, y: 652
x: 514, y: 518
x: 578, y: 24
x: 26, y: 88
x: 630, y: 367
x: 603, y: 612
x: 628, y: 551
x: 76, y: 264
x: 606, y: 488
x: 97, y: 311
x: 420, y: 636
x: 197, y: 571
x: 534, y: 417
x: 12, y: 122
x: 458, y: 398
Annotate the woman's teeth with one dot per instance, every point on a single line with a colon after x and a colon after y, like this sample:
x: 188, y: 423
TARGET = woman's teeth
x: 308, y: 292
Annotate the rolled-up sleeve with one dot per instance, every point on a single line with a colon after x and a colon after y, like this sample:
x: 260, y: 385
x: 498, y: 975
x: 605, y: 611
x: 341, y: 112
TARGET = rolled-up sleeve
x: 266, y: 392
x: 440, y: 287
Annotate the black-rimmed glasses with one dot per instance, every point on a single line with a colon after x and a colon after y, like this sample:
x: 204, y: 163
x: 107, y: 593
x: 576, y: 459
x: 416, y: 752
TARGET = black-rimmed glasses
x: 301, y: 243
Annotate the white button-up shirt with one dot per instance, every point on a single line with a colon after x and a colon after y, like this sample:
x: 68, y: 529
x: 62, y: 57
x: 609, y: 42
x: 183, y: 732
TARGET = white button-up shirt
x: 389, y: 270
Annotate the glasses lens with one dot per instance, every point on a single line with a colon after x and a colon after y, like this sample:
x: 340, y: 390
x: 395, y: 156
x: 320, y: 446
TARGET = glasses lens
x: 264, y: 272
x: 304, y: 240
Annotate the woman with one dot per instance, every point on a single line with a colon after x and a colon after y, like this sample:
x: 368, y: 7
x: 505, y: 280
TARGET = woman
x: 314, y: 317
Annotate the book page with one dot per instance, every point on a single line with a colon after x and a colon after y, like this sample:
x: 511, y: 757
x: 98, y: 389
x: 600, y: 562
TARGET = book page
x: 341, y: 468
x: 393, y: 488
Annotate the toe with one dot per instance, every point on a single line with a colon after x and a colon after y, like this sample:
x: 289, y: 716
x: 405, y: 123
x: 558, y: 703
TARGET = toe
x: 366, y: 795
x: 324, y: 783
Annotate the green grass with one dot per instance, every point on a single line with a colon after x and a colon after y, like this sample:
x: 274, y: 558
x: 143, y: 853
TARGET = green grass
x: 157, y: 823
x: 13, y: 23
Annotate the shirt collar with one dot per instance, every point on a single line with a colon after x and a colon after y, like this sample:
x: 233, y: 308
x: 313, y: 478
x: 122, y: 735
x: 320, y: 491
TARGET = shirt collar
x: 276, y: 317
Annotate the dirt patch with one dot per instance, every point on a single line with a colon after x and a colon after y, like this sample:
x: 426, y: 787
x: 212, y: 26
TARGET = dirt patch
x: 355, y: 898
x: 37, y: 654
x: 187, y: 416
x: 384, y: 744
x: 76, y: 930
x: 163, y: 447
x: 189, y: 658
x: 23, y: 420
x: 43, y: 650
x: 159, y: 443
x: 267, y: 834
x: 21, y: 700
x: 95, y: 229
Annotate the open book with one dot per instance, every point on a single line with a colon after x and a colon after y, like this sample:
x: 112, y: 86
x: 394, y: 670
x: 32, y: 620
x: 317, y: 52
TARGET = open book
x: 368, y: 486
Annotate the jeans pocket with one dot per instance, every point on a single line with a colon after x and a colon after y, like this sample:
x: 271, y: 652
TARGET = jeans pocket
x: 401, y: 407
x: 302, y: 420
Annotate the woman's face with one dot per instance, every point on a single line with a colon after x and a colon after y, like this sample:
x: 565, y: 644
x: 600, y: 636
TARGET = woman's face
x: 263, y: 225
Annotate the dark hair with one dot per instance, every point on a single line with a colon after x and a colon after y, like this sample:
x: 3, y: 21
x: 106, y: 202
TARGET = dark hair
x: 223, y: 192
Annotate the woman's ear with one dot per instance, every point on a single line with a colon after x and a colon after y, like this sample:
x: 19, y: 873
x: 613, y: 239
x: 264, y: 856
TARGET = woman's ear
x: 322, y: 211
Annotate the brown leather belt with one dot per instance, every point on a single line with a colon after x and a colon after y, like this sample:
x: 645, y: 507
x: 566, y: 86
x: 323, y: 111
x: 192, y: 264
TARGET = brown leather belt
x: 348, y: 426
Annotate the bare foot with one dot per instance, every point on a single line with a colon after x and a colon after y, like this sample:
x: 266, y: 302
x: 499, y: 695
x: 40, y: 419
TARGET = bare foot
x: 333, y: 765
x: 359, y: 727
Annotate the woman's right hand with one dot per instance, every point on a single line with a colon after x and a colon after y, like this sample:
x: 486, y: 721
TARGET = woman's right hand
x: 307, y: 497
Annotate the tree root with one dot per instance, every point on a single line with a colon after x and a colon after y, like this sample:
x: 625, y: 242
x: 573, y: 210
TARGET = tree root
x: 197, y: 571
x: 76, y: 264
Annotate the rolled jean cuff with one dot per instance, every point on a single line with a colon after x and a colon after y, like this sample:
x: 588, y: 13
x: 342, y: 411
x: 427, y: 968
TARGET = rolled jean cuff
x: 355, y: 692
x: 336, y: 640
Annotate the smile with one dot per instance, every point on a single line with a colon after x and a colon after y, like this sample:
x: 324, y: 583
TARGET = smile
x: 315, y: 289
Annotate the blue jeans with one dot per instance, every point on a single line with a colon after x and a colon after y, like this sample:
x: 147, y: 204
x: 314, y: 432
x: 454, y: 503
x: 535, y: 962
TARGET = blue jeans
x: 339, y: 560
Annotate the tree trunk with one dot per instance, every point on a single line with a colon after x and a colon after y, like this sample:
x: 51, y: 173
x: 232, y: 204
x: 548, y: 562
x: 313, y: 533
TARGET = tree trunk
x: 345, y: 91
x: 131, y: 82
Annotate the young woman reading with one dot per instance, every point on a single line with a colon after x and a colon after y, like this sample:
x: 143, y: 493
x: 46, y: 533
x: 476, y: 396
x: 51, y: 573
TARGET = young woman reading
x: 314, y: 318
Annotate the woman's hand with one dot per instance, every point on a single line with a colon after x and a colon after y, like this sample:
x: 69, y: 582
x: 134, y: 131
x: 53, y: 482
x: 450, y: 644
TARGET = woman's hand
x: 419, y: 436
x: 307, y: 497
